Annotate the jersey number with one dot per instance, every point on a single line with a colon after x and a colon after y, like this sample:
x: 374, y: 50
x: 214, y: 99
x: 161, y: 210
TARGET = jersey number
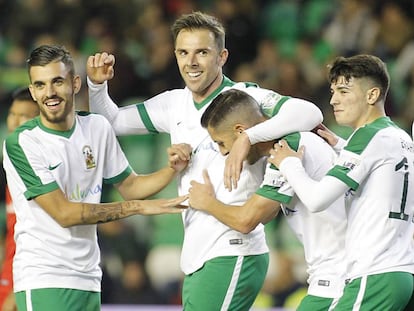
x: 401, y: 215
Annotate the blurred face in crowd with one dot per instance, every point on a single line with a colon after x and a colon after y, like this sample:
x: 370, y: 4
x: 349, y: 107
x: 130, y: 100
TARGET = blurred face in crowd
x: 21, y: 111
x: 54, y: 89
x: 200, y: 61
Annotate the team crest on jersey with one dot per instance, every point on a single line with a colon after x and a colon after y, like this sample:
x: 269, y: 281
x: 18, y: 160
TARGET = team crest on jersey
x: 88, y: 156
x: 269, y: 102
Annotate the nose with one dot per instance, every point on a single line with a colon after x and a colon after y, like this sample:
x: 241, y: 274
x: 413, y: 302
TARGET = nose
x: 223, y: 151
x: 50, y: 90
x: 333, y: 100
x: 192, y: 59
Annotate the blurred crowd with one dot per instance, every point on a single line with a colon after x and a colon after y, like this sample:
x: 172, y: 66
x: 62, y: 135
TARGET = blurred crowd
x: 284, y: 45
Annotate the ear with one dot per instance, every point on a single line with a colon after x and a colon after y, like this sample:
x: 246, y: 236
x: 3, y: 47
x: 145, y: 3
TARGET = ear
x: 224, y: 53
x: 77, y: 82
x: 32, y: 92
x: 239, y: 128
x: 373, y: 95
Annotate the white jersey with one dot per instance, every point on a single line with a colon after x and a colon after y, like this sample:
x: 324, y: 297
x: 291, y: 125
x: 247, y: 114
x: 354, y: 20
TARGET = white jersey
x: 205, y: 237
x: 377, y: 165
x: 38, y: 160
x: 176, y: 113
x: 322, y: 234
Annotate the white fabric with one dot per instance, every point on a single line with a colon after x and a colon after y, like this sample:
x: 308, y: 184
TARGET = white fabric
x: 378, y: 171
x: 322, y: 234
x: 48, y: 255
x: 288, y: 122
x: 175, y: 112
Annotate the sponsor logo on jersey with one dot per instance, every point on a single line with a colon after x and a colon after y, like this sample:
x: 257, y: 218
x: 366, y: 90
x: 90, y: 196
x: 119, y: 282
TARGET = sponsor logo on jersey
x: 53, y: 167
x: 88, y: 156
x: 236, y: 241
x: 287, y: 211
x: 323, y: 283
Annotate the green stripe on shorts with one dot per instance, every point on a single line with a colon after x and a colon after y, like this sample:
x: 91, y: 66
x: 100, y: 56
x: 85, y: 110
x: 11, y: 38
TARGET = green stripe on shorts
x: 225, y: 283
x: 62, y: 299
x: 385, y: 291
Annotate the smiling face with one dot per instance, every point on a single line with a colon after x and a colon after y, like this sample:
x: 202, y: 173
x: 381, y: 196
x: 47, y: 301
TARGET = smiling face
x: 350, y: 101
x: 53, y: 88
x: 200, y: 61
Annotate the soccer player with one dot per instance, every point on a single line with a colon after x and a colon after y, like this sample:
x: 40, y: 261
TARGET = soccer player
x: 211, y: 250
x: 55, y: 165
x: 22, y: 109
x: 322, y: 234
x: 373, y: 174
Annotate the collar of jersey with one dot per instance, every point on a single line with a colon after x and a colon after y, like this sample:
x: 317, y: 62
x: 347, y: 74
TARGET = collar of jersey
x: 226, y: 82
x: 65, y: 134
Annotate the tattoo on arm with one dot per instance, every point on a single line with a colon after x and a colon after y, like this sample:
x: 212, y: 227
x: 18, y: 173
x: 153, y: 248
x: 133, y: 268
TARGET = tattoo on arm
x: 101, y: 213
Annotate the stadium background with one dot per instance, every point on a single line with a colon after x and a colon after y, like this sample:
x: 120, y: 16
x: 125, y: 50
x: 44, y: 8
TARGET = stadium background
x: 283, y: 45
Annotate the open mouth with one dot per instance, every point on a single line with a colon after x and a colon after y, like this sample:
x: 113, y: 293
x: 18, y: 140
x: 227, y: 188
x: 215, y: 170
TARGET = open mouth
x: 194, y: 74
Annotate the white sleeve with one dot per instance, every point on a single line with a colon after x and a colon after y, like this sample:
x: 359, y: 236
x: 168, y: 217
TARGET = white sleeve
x: 316, y: 195
x: 100, y: 102
x: 339, y: 145
x: 125, y: 120
x: 295, y: 115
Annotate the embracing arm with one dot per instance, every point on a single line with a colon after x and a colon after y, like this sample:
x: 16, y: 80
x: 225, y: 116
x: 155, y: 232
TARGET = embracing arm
x: 316, y: 195
x: 244, y: 218
x: 295, y: 115
x: 67, y: 213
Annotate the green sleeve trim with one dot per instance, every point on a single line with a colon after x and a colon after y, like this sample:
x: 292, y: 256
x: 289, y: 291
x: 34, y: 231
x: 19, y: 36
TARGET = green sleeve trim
x: 146, y: 119
x: 272, y: 193
x: 34, y: 192
x: 120, y: 177
x: 341, y: 173
x: 362, y: 136
x: 18, y: 157
x: 279, y: 105
x: 293, y: 140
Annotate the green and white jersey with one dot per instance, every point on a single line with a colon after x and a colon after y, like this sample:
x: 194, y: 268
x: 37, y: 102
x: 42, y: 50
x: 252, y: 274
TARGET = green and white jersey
x: 322, y: 234
x: 38, y: 160
x: 176, y: 113
x: 205, y: 237
x: 377, y: 165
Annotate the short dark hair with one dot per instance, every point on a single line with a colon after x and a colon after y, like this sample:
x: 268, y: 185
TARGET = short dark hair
x: 46, y: 54
x: 199, y: 20
x: 22, y: 93
x: 225, y: 104
x: 361, y: 66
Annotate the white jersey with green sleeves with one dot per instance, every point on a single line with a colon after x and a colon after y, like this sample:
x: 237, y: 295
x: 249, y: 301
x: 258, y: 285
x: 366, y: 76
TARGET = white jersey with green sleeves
x: 377, y: 164
x: 38, y: 160
x: 175, y: 112
x: 322, y: 234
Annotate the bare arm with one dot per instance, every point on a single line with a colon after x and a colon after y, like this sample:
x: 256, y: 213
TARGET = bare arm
x: 67, y: 213
x: 136, y: 187
x: 143, y: 186
x: 243, y: 218
x: 295, y: 115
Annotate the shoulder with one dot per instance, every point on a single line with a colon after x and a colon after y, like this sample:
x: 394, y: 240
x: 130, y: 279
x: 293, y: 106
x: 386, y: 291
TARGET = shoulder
x: 86, y: 116
x: 377, y: 132
x: 25, y: 129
